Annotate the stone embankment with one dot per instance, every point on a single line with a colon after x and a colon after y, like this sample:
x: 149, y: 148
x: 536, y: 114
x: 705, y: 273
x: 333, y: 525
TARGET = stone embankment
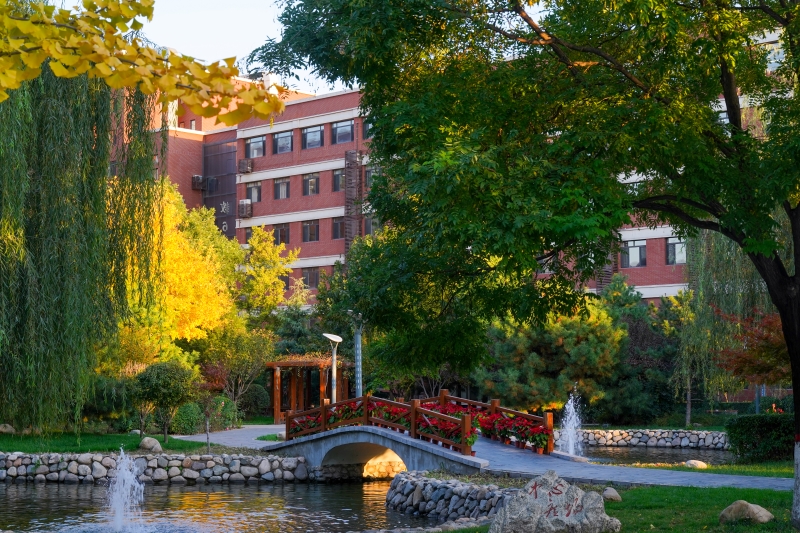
x: 661, y: 438
x: 446, y: 500
x: 161, y: 469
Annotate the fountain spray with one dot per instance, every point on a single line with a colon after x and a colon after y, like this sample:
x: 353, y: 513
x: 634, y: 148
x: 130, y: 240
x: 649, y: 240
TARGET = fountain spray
x: 571, y: 442
x: 125, y: 495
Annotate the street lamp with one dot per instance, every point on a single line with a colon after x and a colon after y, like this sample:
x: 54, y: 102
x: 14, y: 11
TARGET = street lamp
x: 357, y: 341
x: 335, y: 340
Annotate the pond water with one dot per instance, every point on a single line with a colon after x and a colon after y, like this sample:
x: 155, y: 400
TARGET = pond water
x: 278, y: 508
x: 641, y: 454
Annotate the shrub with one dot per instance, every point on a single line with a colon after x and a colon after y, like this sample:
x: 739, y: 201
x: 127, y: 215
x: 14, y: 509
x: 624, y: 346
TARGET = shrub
x: 255, y: 401
x: 188, y: 420
x: 223, y: 415
x: 762, y: 437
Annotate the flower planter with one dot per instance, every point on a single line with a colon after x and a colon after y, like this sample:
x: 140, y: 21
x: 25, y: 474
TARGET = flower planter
x: 472, y: 453
x: 506, y: 440
x: 540, y: 451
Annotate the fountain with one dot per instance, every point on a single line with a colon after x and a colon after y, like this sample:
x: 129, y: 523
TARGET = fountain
x: 570, y: 440
x: 125, y: 495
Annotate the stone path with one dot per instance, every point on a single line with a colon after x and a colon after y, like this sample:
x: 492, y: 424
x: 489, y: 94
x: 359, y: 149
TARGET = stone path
x: 524, y: 463
x: 239, y: 438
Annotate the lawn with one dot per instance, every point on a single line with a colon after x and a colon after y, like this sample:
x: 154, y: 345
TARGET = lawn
x: 259, y: 421
x: 767, y: 469
x: 272, y: 438
x: 69, y: 443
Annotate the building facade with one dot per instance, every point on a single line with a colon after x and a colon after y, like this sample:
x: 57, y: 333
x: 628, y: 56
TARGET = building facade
x: 304, y: 178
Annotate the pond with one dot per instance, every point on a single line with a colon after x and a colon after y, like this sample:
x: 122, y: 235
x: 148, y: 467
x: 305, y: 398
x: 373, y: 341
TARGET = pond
x: 641, y: 454
x: 273, y: 508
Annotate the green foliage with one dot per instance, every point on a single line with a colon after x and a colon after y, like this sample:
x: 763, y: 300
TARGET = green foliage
x: 88, y: 442
x: 188, y: 419
x: 224, y: 414
x: 70, y: 237
x: 762, y: 437
x: 255, y: 401
x: 536, y: 368
x: 294, y: 329
x: 164, y: 387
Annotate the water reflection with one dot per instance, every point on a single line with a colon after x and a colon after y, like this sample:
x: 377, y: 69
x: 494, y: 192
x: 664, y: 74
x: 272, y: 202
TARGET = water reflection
x: 286, y: 508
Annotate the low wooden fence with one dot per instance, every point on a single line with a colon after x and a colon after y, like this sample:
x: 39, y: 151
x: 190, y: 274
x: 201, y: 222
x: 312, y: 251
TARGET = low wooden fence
x: 446, y: 420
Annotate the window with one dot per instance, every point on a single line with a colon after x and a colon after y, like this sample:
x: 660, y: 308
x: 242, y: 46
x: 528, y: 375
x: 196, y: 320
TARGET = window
x: 281, y: 188
x: 254, y: 147
x: 342, y: 132
x: 248, y: 234
x: 254, y: 191
x: 281, y: 232
x: 311, y: 230
x: 311, y: 277
x: 369, y: 173
x: 634, y: 254
x: 310, y: 184
x: 282, y: 142
x: 371, y: 225
x: 367, y: 130
x: 286, y: 282
x: 338, y: 228
x: 182, y: 125
x: 312, y: 137
x: 338, y: 180
x: 676, y: 251
x: 193, y: 124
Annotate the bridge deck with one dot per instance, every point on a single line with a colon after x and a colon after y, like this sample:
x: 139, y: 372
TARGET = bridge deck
x: 504, y: 459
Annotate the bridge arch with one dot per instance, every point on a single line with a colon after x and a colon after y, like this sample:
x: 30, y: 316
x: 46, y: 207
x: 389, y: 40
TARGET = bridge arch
x: 365, y: 460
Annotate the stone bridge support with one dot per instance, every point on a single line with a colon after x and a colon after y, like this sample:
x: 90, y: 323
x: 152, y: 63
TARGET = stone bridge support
x: 371, y: 452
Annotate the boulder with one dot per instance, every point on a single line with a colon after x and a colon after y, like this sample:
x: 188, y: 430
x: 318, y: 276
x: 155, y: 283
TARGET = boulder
x: 741, y: 510
x: 301, y: 473
x: 610, y: 495
x: 550, y: 504
x: 692, y: 463
x: 6, y: 429
x: 99, y: 471
x: 135, y: 432
x: 150, y: 444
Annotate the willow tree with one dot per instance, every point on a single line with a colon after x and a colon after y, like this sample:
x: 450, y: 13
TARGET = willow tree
x: 67, y: 244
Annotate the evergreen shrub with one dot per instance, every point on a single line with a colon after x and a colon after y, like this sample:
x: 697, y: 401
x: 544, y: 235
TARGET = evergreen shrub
x: 757, y: 438
x: 188, y: 420
x: 255, y: 401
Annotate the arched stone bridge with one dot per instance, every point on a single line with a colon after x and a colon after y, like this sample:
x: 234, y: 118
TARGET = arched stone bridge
x: 375, y: 449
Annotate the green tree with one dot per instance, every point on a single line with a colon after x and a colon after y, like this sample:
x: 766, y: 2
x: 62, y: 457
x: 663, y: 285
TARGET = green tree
x: 536, y: 367
x: 506, y: 129
x: 263, y: 286
x: 161, y: 389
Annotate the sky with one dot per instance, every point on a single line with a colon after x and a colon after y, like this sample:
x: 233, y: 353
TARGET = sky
x: 213, y: 30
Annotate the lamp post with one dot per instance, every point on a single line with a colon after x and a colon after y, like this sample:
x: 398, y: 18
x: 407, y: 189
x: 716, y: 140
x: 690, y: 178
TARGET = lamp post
x: 359, y: 324
x: 335, y: 340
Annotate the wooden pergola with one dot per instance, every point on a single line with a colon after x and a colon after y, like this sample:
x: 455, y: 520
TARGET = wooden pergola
x: 300, y: 394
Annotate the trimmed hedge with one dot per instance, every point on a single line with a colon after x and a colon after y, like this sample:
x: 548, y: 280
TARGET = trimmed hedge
x: 762, y: 437
x: 188, y: 420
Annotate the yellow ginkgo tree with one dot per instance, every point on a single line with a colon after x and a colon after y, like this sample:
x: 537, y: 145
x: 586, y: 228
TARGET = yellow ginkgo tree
x: 96, y: 39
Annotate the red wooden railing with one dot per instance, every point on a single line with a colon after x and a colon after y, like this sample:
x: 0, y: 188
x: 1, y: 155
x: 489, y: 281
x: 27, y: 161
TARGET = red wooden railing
x: 422, y: 419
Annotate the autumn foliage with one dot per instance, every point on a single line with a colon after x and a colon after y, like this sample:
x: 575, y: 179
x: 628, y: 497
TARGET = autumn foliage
x: 760, y: 354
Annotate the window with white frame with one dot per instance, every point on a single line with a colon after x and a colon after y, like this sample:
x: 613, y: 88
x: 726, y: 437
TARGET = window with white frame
x: 310, y: 184
x: 634, y: 254
x: 254, y: 147
x: 282, y: 142
x: 254, y: 191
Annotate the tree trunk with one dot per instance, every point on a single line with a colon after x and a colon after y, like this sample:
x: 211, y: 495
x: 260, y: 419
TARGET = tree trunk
x: 688, y: 402
x: 208, y: 436
x: 166, y: 432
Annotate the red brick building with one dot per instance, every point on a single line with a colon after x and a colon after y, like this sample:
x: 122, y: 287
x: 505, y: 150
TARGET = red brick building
x: 303, y: 178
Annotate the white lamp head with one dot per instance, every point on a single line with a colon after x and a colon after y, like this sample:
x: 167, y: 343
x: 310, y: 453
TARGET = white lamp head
x: 333, y: 338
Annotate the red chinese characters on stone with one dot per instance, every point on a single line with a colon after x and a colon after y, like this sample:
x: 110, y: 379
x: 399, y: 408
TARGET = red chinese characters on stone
x: 551, y: 510
x: 534, y: 490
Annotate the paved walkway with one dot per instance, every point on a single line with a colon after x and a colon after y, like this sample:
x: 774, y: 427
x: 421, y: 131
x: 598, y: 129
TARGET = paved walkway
x: 524, y: 463
x: 239, y: 438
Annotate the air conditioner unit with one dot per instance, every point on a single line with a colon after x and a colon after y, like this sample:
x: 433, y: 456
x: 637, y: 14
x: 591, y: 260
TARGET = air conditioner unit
x: 245, y: 166
x: 198, y: 183
x: 245, y: 209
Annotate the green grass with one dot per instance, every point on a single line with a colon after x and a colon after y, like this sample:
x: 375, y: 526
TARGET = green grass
x: 69, y: 443
x: 268, y: 437
x: 767, y: 469
x: 689, y: 509
x: 259, y: 420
